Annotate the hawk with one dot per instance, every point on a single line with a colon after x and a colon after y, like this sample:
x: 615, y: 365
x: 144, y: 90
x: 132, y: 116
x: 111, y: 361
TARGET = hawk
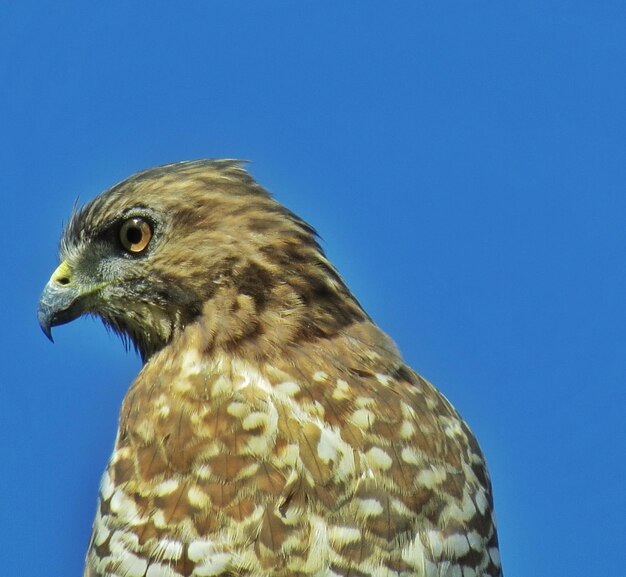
x: 273, y: 430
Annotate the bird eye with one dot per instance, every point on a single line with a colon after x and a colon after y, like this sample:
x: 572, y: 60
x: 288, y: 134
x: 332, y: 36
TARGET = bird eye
x: 135, y: 235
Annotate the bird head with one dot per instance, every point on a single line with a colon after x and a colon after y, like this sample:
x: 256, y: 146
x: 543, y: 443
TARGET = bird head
x: 173, y: 243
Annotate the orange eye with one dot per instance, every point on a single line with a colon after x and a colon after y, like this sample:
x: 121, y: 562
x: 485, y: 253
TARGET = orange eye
x: 135, y: 235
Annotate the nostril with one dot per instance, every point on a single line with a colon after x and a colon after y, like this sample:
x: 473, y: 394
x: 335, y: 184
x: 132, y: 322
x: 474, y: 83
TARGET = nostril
x: 62, y: 276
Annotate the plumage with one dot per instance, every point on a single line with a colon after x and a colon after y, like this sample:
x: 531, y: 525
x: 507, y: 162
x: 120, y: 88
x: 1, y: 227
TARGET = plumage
x: 273, y: 430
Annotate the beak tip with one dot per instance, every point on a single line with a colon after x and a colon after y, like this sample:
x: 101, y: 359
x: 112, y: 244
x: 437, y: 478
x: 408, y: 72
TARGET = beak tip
x: 48, y: 334
x: 44, y: 323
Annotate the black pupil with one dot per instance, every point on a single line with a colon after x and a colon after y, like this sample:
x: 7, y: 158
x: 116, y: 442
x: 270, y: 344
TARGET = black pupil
x: 133, y: 235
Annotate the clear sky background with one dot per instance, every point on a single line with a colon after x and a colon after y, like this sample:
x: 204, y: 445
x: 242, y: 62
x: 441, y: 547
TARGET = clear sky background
x: 465, y: 165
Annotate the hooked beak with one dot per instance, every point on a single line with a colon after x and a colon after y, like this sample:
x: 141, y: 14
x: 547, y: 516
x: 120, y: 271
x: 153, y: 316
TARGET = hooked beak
x: 60, y: 301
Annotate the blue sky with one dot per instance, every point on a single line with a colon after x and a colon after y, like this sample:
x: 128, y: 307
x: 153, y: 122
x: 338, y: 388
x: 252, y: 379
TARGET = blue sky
x: 464, y: 163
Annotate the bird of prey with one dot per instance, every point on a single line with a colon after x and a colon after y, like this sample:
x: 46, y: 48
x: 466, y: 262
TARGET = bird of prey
x: 274, y: 430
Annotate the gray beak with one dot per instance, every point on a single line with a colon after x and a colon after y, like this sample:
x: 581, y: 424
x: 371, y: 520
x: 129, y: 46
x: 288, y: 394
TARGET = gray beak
x: 60, y: 301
